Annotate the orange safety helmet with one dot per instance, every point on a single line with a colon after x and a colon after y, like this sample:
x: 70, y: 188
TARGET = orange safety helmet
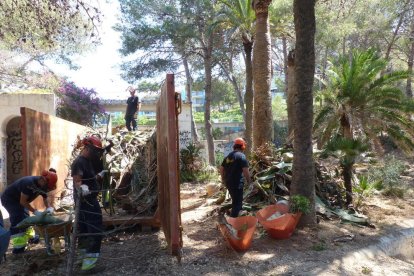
x: 239, y: 141
x: 92, y: 141
x: 51, y: 179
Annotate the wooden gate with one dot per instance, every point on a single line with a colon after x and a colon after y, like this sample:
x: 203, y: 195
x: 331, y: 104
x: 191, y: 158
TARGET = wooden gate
x: 168, y: 108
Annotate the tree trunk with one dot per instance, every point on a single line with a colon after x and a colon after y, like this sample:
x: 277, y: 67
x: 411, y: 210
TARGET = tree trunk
x: 347, y: 175
x: 189, y: 84
x: 291, y: 97
x: 208, y: 95
x: 303, y: 179
x: 396, y: 30
x: 262, y: 102
x: 248, y: 97
x: 232, y: 79
x: 409, y: 90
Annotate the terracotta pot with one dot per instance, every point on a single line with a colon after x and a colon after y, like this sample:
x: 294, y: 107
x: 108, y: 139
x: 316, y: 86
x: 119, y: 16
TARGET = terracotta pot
x: 281, y: 227
x: 244, y: 234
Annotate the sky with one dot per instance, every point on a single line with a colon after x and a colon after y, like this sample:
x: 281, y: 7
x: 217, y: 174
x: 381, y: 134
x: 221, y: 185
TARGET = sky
x: 99, y: 69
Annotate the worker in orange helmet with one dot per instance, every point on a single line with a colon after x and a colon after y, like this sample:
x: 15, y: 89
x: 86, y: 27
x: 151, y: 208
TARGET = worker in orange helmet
x: 85, y: 182
x: 232, y: 170
x: 16, y: 199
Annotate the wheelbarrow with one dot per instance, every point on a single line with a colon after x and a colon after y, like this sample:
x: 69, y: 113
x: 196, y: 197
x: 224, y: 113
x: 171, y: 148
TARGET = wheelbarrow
x: 53, y: 232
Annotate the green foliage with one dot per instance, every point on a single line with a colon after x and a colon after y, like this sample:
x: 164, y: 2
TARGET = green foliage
x: 231, y: 115
x: 190, y: 162
x: 192, y: 166
x: 144, y: 120
x: 145, y: 86
x: 299, y: 203
x: 279, y: 108
x: 387, y: 177
x: 217, y: 133
x: 359, y: 97
x: 219, y: 158
x: 346, y: 150
x: 39, y: 27
x: 363, y: 189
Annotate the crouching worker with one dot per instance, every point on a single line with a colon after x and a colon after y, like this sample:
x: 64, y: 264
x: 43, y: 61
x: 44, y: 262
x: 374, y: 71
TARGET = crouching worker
x: 90, y: 214
x: 16, y: 199
x: 232, y: 169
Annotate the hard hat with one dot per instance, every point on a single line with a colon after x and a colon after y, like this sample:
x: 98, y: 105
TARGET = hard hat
x: 51, y: 179
x: 92, y: 141
x: 239, y: 141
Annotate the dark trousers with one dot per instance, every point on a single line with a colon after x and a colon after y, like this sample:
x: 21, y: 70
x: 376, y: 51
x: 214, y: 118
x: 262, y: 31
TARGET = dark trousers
x: 130, y: 119
x: 90, y: 222
x: 17, y: 213
x: 236, y: 194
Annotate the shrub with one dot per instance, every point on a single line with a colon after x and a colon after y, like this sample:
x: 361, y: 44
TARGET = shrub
x: 299, y: 203
x: 78, y: 105
x: 387, y: 177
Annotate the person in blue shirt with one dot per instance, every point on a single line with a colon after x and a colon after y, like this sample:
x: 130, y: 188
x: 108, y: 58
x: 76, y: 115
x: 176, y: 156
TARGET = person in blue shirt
x: 16, y: 199
x: 232, y: 170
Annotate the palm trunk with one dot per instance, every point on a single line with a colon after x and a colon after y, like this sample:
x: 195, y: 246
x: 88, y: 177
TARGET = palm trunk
x: 262, y: 102
x: 303, y: 175
x: 248, y: 97
x: 194, y: 134
x: 347, y: 175
x: 291, y: 95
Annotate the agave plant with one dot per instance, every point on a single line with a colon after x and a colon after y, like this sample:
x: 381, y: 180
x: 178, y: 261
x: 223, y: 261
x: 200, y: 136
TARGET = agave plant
x: 362, y: 99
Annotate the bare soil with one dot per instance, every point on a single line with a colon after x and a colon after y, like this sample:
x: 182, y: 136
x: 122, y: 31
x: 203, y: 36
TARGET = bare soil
x: 310, y: 251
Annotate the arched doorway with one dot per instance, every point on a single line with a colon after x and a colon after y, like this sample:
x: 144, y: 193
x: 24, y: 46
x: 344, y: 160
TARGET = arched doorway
x: 14, y: 150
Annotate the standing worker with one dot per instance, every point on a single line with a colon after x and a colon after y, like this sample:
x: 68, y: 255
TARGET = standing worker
x: 133, y: 107
x: 16, y: 199
x: 232, y: 170
x: 90, y: 214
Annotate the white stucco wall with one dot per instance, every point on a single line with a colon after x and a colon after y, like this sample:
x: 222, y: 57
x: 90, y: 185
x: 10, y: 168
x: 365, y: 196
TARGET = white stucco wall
x: 10, y: 104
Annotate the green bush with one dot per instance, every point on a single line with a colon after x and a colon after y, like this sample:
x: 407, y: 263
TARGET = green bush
x: 299, y: 203
x: 386, y: 178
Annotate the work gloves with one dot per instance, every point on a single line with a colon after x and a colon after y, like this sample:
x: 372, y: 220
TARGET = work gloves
x: 102, y: 173
x: 50, y: 210
x: 85, y: 190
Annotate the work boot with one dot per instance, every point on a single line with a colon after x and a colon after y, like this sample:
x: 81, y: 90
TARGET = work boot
x: 89, y: 261
x: 34, y: 240
x: 18, y: 250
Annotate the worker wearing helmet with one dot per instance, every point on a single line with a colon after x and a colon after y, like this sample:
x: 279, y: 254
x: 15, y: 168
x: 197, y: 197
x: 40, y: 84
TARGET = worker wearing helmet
x: 232, y: 170
x: 86, y: 187
x: 16, y: 199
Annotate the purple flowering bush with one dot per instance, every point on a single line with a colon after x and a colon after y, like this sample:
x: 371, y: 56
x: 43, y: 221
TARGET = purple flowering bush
x: 78, y: 105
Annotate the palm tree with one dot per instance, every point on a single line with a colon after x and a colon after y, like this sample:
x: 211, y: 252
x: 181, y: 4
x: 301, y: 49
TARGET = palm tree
x: 347, y: 151
x: 262, y: 103
x: 303, y: 173
x: 239, y: 15
x: 360, y: 101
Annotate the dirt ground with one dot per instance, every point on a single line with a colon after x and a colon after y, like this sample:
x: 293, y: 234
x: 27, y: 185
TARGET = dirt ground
x: 307, y: 252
